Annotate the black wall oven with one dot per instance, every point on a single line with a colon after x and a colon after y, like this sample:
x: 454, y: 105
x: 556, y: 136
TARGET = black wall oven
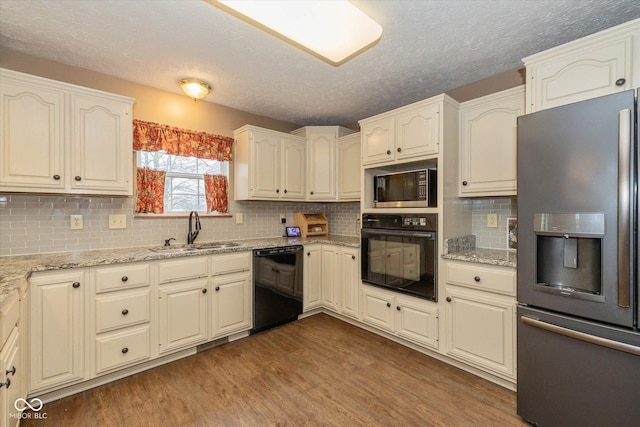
x: 399, y: 252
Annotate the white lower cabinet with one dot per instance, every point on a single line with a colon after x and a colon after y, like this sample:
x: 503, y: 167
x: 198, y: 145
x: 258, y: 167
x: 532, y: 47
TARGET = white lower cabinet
x: 480, y: 329
x: 182, y: 314
x: 410, y: 318
x: 12, y: 373
x: 312, y: 271
x: 349, y: 281
x: 231, y: 309
x: 58, y: 301
x: 329, y: 257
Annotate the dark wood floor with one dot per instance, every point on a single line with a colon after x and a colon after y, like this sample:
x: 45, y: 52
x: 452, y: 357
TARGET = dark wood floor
x: 316, y: 371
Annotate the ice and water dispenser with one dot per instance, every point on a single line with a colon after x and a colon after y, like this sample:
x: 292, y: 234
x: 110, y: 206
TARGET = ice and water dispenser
x: 569, y: 254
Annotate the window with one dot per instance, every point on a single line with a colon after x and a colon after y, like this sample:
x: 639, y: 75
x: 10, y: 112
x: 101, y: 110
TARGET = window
x: 184, y: 183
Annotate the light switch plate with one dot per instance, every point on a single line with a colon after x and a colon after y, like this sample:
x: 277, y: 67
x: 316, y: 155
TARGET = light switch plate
x: 117, y: 221
x: 492, y: 220
x: 76, y: 222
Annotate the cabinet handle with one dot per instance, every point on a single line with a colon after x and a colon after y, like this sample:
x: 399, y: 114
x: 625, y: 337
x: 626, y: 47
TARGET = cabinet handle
x: 398, y: 307
x: 388, y: 304
x: 621, y: 82
x: 217, y: 288
x: 76, y: 285
x: 464, y: 182
x: 285, y: 191
x: 125, y: 312
x: 312, y: 193
x: 78, y: 178
x: 11, y: 371
x: 125, y: 350
x: 8, y: 383
x: 399, y: 149
x: 204, y: 291
x: 124, y: 278
x: 278, y: 190
x: 448, y: 299
x: 388, y: 151
x: 477, y: 278
x: 56, y: 177
x: 353, y: 257
x: 308, y: 253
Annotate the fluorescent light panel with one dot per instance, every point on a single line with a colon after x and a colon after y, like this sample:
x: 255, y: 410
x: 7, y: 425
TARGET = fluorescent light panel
x: 335, y: 30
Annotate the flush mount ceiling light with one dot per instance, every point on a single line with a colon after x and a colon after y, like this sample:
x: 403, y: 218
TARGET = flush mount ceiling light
x: 335, y: 31
x: 194, y: 88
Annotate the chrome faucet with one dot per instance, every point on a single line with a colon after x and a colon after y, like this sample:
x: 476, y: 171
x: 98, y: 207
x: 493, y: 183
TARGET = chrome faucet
x: 194, y: 229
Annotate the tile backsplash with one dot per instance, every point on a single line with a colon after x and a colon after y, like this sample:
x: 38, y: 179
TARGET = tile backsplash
x: 39, y: 224
x: 487, y: 237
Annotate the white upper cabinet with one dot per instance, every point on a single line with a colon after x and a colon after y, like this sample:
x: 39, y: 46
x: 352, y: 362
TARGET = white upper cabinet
x: 596, y: 65
x: 61, y: 138
x: 408, y: 133
x: 349, y: 167
x: 488, y: 141
x: 322, y: 161
x: 268, y: 165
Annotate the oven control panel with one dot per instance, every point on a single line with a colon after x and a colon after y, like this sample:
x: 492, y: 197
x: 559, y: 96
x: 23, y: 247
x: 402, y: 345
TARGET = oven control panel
x: 424, y: 222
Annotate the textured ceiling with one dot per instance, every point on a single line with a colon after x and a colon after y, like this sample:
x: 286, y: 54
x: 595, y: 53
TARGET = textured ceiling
x: 427, y: 47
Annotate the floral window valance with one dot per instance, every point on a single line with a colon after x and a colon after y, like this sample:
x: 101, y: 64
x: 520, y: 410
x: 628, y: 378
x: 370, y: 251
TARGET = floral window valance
x: 149, y: 136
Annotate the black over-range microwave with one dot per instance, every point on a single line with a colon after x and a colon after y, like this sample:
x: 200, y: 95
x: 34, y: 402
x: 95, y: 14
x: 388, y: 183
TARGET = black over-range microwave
x: 410, y: 189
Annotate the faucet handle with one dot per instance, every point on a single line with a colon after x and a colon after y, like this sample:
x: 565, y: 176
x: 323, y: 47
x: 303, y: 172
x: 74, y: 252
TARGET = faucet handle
x: 168, y: 241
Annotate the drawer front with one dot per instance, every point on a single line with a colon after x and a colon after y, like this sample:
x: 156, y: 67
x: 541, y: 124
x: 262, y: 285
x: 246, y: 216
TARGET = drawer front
x: 493, y: 279
x: 182, y: 269
x: 121, y: 277
x: 9, y: 314
x: 128, y: 309
x: 122, y: 348
x: 230, y: 263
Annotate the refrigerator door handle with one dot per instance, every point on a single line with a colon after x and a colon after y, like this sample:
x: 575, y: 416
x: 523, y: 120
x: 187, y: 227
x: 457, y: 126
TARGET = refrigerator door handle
x: 624, y: 208
x: 591, y: 339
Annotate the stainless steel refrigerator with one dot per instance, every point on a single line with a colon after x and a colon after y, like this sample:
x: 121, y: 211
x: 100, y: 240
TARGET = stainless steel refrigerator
x: 578, y: 339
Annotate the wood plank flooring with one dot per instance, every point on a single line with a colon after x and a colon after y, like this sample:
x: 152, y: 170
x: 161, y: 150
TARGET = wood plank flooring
x: 316, y: 371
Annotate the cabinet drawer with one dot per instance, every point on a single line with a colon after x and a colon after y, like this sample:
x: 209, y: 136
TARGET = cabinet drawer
x: 128, y: 309
x: 9, y: 316
x: 122, y: 348
x: 183, y: 269
x: 121, y: 277
x: 493, y: 279
x: 229, y: 263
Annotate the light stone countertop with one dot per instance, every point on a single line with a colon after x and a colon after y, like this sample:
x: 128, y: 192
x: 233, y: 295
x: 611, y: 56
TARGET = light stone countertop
x: 14, y: 270
x: 497, y: 257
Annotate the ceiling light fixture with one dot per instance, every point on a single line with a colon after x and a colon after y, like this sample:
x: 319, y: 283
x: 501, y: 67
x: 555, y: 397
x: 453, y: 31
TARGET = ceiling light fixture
x: 335, y: 31
x: 194, y: 88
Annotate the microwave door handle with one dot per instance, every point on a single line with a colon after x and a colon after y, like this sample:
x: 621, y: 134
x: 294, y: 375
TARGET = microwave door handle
x: 624, y: 208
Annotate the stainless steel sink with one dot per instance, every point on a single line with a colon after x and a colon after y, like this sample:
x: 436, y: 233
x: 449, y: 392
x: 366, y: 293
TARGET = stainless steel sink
x: 192, y: 248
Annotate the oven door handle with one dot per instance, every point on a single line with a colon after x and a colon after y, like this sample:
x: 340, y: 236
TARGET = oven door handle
x: 416, y: 234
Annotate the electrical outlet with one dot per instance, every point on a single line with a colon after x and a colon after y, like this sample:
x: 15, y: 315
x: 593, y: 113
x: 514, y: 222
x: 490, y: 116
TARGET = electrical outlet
x: 76, y: 222
x: 492, y: 220
x: 283, y: 218
x: 239, y: 218
x: 117, y: 221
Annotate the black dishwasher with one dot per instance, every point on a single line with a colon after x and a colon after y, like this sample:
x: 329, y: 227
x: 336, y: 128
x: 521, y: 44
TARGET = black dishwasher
x: 277, y: 286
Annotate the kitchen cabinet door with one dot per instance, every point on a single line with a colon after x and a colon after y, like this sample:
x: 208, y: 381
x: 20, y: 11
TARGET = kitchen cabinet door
x: 293, y: 168
x: 417, y: 132
x: 57, y: 328
x: 488, y: 142
x: 101, y: 145
x: 329, y: 255
x: 32, y: 136
x: 11, y: 377
x: 231, y: 308
x: 321, y: 166
x: 377, y: 309
x: 265, y: 165
x: 312, y: 272
x: 593, y: 66
x: 416, y: 321
x: 480, y: 329
x: 349, y: 281
x: 349, y: 167
x: 378, y: 141
x: 182, y: 314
